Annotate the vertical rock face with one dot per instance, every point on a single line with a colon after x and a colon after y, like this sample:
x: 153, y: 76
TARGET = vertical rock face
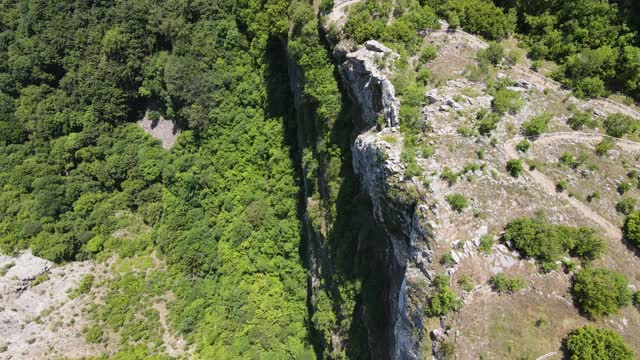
x: 369, y: 86
x: 407, y: 237
x: 379, y: 169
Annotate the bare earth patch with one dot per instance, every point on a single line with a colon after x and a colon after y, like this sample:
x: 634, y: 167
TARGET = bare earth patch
x: 164, y: 130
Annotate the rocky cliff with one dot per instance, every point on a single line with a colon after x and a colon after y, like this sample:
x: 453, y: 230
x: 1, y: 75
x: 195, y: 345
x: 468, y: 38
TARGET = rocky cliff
x: 364, y: 74
x: 377, y: 164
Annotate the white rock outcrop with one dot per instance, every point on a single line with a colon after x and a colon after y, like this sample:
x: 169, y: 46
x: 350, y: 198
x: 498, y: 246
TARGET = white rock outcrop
x: 364, y: 73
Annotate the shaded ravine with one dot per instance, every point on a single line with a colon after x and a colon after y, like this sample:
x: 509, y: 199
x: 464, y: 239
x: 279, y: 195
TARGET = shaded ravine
x: 352, y: 252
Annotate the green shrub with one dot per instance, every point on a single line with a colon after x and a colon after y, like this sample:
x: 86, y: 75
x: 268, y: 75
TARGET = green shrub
x: 548, y: 266
x: 617, y: 125
x: 486, y: 243
x: 631, y: 228
x: 591, y: 86
x: 429, y: 53
x: 449, y: 175
x: 466, y: 131
x: 583, y: 243
x: 447, y: 260
x: 636, y: 299
x: 427, y: 151
x: 535, y: 238
x: 562, y: 185
x: 486, y: 123
x: 626, y: 205
x: 581, y: 119
x: 567, y: 159
x: 465, y: 283
x: 424, y: 76
x: 569, y: 266
x: 604, y: 146
x: 537, y: 125
x: 623, y: 187
x: 600, y: 292
x: 506, y: 100
x: 505, y: 285
x: 523, y: 145
x: 491, y: 55
x: 40, y: 279
x: 514, y: 167
x: 443, y: 299
x: 589, y: 342
x: 458, y: 202
x: 83, y: 287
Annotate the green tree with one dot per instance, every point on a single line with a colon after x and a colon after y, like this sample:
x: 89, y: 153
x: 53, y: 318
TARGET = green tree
x: 589, y: 342
x: 600, y: 292
x: 618, y: 125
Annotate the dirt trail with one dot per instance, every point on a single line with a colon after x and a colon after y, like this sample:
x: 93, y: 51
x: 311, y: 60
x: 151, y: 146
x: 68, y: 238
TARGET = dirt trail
x: 611, y: 230
x: 338, y: 15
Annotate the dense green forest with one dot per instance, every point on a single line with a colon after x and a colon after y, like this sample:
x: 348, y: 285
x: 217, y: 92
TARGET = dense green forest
x: 222, y: 205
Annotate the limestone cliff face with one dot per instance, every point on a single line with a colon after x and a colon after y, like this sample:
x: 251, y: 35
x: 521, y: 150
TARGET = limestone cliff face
x: 369, y: 86
x: 380, y: 172
x: 376, y: 163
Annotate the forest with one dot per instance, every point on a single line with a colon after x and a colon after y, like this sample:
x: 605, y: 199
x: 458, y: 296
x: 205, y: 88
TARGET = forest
x: 223, y: 207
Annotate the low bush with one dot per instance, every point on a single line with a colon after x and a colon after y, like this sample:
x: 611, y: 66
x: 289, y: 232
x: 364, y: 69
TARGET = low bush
x: 631, y: 228
x: 567, y: 159
x: 486, y: 244
x: 514, y: 167
x: 443, y: 299
x: 626, y: 205
x: 506, y: 100
x: 447, y: 260
x: 492, y: 55
x: 505, y: 285
x: 94, y: 335
x: 623, y: 187
x: 486, y: 123
x: 449, y: 175
x: 465, y: 283
x: 618, y: 125
x: 537, y: 125
x: 326, y: 5
x: 600, y: 292
x: 535, y: 238
x: 458, y: 202
x: 589, y: 342
x: 429, y: 53
x: 581, y: 119
x: 562, y: 185
x: 603, y: 147
x: 523, y: 145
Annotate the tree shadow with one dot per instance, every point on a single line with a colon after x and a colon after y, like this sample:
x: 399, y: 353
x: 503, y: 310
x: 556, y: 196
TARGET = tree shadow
x: 353, y: 250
